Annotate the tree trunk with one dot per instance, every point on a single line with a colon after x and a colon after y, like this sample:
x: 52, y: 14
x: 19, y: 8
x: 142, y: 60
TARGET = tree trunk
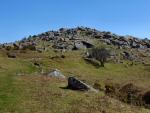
x: 102, y: 63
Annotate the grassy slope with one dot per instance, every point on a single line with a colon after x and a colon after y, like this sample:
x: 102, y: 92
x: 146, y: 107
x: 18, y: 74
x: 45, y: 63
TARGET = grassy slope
x: 32, y: 93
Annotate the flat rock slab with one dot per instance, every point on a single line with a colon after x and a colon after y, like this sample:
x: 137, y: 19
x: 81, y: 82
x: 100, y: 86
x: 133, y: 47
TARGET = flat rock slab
x: 76, y: 84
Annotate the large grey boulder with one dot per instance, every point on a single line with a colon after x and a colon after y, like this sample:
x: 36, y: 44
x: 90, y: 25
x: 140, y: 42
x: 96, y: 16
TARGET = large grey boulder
x: 76, y: 84
x: 79, y: 45
x: 107, y: 41
x: 88, y: 44
x: 56, y: 73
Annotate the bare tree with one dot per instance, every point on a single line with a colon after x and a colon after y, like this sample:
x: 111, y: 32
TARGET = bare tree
x: 100, y: 54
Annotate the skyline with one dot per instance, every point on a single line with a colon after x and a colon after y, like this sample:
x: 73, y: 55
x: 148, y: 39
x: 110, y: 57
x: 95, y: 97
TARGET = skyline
x: 21, y: 18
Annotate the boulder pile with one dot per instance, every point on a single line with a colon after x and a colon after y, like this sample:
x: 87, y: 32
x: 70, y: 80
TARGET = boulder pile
x: 78, y: 38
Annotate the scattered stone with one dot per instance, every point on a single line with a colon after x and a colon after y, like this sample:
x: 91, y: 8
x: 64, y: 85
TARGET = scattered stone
x: 76, y: 84
x: 16, y: 46
x: 20, y: 74
x: 11, y: 55
x: 37, y: 64
x: 63, y: 56
x: 78, y: 45
x: 128, y: 56
x: 56, y: 73
x: 87, y: 44
x: 39, y: 50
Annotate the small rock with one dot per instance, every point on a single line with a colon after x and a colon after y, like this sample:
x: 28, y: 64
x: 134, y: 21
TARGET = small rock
x: 11, y: 55
x: 56, y: 73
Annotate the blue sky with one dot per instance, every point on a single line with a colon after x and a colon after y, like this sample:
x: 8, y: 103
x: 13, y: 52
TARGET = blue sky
x: 20, y: 18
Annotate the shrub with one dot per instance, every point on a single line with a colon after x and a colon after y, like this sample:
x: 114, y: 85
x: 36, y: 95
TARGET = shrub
x: 100, y: 54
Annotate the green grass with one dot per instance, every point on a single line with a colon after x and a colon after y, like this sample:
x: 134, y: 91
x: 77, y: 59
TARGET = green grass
x: 32, y: 93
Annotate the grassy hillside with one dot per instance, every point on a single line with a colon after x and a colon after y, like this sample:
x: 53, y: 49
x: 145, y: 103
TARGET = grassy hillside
x: 24, y: 90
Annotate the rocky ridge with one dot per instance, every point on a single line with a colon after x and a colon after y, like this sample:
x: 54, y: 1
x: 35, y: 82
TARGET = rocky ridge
x: 77, y: 38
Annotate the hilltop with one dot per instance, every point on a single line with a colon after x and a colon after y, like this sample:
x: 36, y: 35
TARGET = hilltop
x: 66, y: 38
x: 83, y: 38
x: 26, y: 65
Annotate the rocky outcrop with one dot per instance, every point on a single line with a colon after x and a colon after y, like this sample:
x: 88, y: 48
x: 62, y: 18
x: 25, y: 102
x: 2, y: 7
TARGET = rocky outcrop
x: 78, y: 38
